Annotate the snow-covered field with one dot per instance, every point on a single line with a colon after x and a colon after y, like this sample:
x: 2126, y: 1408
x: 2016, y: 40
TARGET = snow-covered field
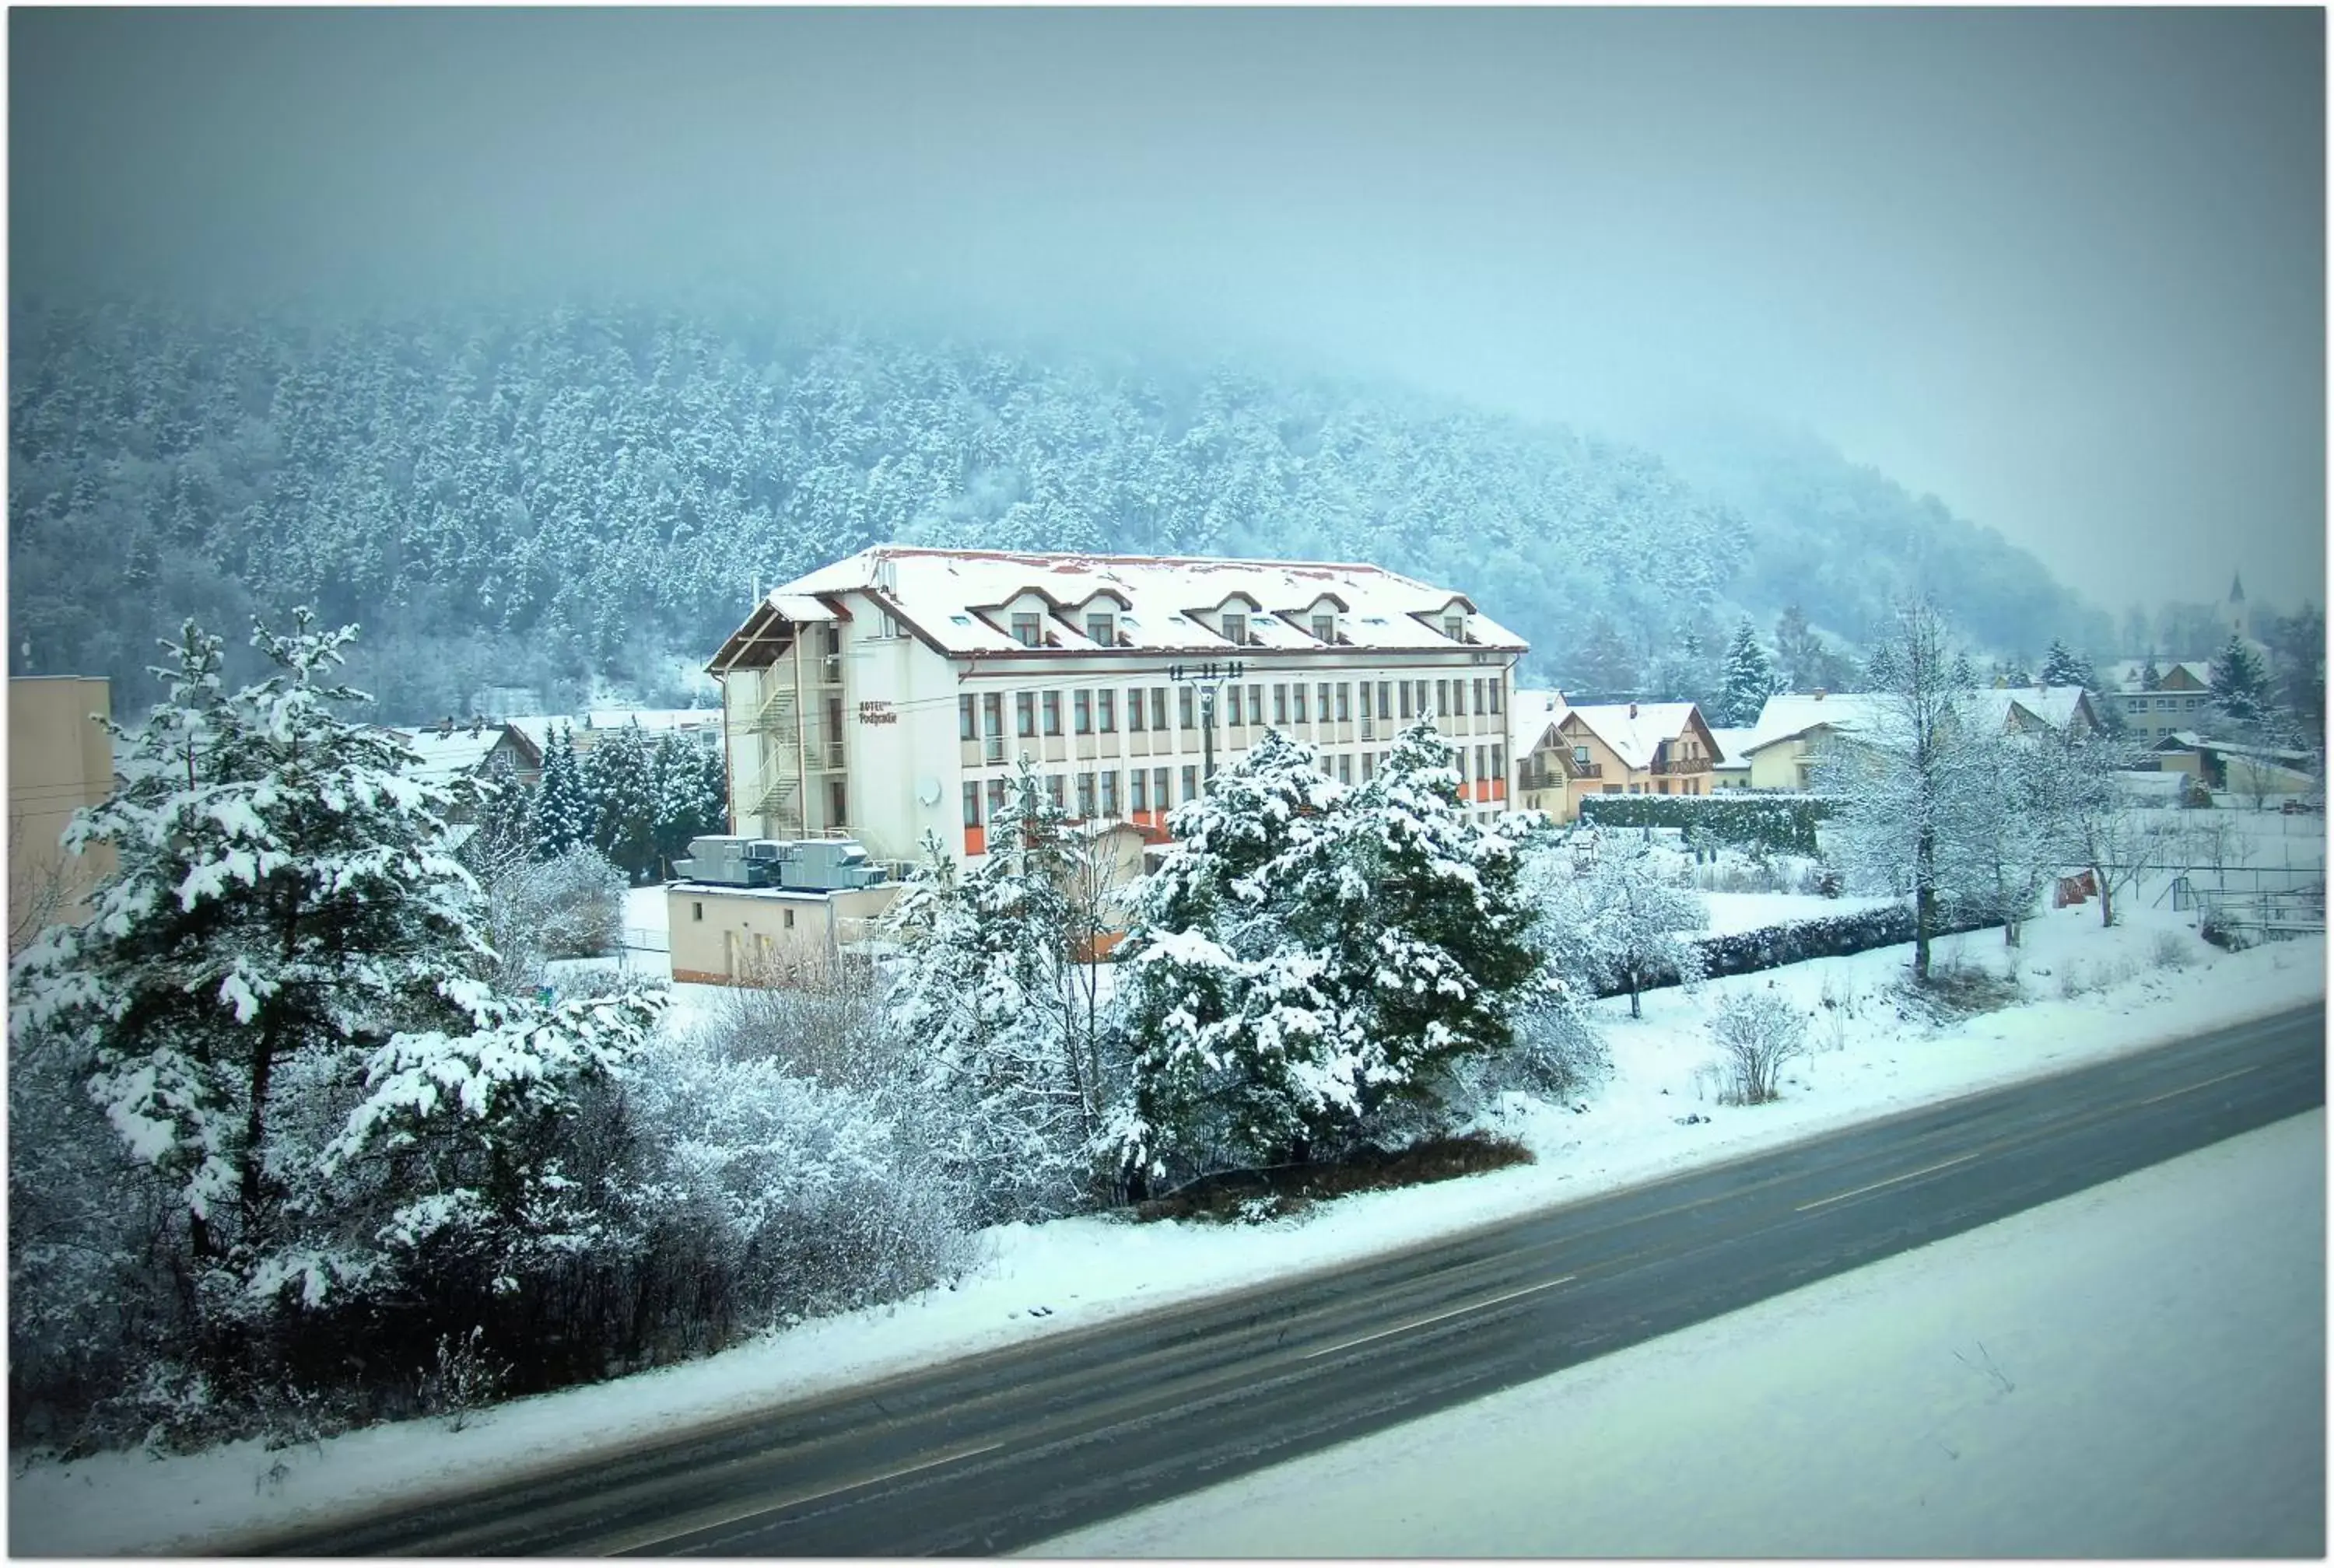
x: 2138, y: 1371
x: 1733, y: 912
x: 1090, y: 1269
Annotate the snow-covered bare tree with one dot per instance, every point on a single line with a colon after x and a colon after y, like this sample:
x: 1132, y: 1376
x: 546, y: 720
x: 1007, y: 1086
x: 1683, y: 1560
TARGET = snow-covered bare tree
x: 1998, y: 841
x: 1622, y: 920
x: 2095, y: 821
x: 1908, y: 778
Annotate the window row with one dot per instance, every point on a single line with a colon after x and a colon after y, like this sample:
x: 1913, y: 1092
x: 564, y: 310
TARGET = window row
x: 1097, y: 710
x: 1096, y: 792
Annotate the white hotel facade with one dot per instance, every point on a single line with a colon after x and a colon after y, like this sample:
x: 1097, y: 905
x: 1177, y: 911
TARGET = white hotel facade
x: 892, y: 694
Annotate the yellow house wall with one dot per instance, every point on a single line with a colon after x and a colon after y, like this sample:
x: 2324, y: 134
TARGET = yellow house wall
x: 58, y: 762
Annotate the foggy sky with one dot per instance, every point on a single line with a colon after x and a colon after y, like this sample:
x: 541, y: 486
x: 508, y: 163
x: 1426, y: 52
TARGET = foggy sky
x: 2066, y: 269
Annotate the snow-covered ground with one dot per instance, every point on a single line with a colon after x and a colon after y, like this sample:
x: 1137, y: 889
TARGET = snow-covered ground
x: 2138, y: 1371
x: 1090, y: 1269
x: 1733, y: 912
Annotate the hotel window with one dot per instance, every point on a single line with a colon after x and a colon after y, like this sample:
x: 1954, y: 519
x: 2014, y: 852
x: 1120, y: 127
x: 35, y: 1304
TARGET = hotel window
x: 1298, y: 712
x: 1454, y: 627
x: 1495, y: 685
x: 1086, y: 795
x: 964, y: 720
x: 1054, y: 792
x: 1344, y: 769
x: 1325, y: 628
x: 1158, y: 707
x: 971, y: 804
x: 1110, y: 793
x: 1369, y: 765
x: 1321, y: 702
x: 1256, y: 703
x: 1138, y: 791
x: 1459, y: 761
x: 1134, y: 707
x: 1053, y: 713
x: 1442, y: 700
x: 1233, y: 714
x: 1479, y: 760
x: 1159, y: 802
x: 1345, y: 702
x: 992, y: 715
x: 1100, y: 631
x: 1025, y: 713
x: 1235, y: 629
x: 1082, y: 711
x: 1025, y: 630
x: 1190, y: 784
x: 996, y: 797
x: 1280, y: 705
x: 1183, y: 706
x: 1478, y: 699
x: 891, y: 625
x: 1405, y: 699
x: 1106, y: 714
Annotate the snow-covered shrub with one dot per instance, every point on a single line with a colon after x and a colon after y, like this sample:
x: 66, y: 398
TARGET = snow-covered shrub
x: 2171, y: 951
x: 576, y: 901
x: 1756, y: 1032
x: 804, y: 1197
x: 1615, y: 921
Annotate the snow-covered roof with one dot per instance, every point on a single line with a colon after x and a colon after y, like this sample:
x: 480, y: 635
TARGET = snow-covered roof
x: 1794, y: 713
x: 1733, y: 744
x: 2125, y: 673
x: 1632, y: 731
x: 2054, y: 704
x: 957, y: 599
x: 450, y: 756
x: 1533, y: 712
x: 538, y: 728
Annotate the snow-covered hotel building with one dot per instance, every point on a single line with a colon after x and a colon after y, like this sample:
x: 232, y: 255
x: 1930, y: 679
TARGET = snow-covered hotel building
x: 892, y: 694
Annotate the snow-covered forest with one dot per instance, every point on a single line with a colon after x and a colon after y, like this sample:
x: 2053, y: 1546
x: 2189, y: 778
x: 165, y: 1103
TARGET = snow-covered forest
x: 541, y: 498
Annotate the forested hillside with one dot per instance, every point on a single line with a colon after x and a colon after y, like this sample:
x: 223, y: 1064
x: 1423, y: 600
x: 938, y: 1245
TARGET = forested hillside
x: 540, y: 498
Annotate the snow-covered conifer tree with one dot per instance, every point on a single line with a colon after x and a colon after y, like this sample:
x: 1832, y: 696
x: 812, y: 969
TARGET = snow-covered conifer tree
x: 286, y: 961
x: 563, y: 811
x: 2061, y: 667
x: 2240, y: 687
x: 1749, y: 678
x: 618, y: 778
x: 690, y: 797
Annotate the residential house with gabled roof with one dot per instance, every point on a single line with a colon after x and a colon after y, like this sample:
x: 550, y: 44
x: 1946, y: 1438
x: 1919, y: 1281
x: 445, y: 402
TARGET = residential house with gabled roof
x: 1635, y: 748
x: 1792, y: 728
x: 1544, y: 771
x: 2179, y: 699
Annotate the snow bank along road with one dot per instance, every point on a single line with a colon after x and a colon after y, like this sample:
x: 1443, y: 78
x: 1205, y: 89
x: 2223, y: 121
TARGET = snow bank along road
x: 1007, y: 1450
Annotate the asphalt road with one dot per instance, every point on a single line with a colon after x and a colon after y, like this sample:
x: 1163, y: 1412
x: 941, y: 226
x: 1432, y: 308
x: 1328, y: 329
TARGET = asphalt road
x: 1004, y: 1451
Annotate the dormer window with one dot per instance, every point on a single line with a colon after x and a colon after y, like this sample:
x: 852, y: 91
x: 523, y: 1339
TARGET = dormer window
x: 1100, y: 632
x: 1235, y: 627
x: 1027, y: 630
x: 1325, y: 628
x: 1454, y: 627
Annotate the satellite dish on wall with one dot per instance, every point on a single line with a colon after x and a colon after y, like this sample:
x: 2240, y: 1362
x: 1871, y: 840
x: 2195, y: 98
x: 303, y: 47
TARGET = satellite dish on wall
x: 928, y: 790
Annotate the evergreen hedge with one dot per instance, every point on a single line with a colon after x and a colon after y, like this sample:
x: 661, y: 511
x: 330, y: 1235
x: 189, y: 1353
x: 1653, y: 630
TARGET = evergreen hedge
x: 1797, y: 941
x: 1784, y: 824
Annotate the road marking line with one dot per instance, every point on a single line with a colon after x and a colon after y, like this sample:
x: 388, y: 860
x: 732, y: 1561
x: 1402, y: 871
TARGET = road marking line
x: 1857, y: 1192
x: 785, y: 1503
x: 2191, y: 1088
x: 1438, y: 1317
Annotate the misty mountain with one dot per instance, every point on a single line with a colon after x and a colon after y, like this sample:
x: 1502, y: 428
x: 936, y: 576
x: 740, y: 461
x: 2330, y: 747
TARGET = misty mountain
x: 544, y: 498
